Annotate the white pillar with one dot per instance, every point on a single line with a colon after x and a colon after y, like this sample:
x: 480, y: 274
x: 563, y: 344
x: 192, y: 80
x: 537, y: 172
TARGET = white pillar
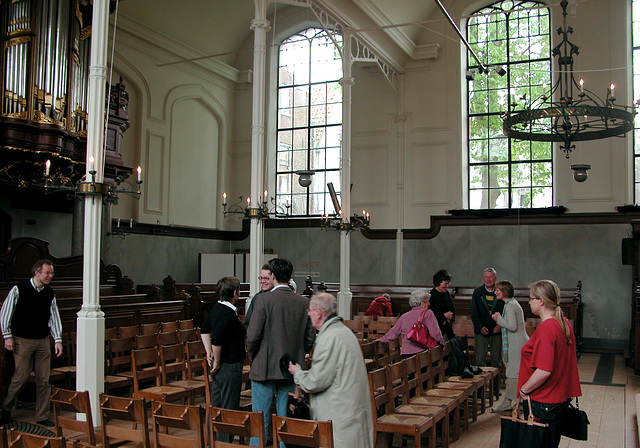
x: 90, y: 324
x: 345, y: 295
x: 400, y: 119
x: 260, y: 26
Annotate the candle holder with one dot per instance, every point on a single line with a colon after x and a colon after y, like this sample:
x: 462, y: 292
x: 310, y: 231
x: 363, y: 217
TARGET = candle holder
x: 262, y: 211
x: 356, y: 222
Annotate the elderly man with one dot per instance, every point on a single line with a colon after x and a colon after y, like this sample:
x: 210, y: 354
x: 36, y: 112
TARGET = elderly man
x: 279, y: 325
x: 487, y: 333
x: 29, y: 314
x: 337, y: 380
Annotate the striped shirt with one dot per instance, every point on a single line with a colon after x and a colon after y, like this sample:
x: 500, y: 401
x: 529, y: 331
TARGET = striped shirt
x: 9, y: 305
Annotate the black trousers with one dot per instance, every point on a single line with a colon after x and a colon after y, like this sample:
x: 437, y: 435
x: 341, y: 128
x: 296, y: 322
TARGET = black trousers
x: 226, y: 385
x: 550, y: 413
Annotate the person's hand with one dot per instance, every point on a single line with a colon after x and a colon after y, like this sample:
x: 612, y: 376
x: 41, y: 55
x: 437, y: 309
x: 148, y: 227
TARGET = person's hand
x: 495, y: 316
x: 293, y: 368
x: 497, y: 329
x: 215, y: 366
x: 209, y: 356
x: 58, y: 349
x: 484, y: 331
x: 8, y: 344
x: 449, y: 315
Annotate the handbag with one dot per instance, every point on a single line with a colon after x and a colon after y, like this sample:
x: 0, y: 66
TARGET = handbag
x: 420, y: 334
x: 296, y: 406
x: 574, y: 423
x: 517, y: 432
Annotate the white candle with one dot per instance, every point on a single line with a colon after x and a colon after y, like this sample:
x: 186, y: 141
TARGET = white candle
x: 131, y: 223
x: 118, y: 225
x: 612, y: 88
x: 581, y: 85
x: 91, y: 162
x: 139, y: 170
x: 248, y: 201
x: 47, y: 166
x: 224, y: 198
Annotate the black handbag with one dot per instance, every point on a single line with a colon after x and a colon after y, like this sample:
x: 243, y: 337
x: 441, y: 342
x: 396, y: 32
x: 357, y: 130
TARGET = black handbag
x: 575, y: 423
x: 517, y: 432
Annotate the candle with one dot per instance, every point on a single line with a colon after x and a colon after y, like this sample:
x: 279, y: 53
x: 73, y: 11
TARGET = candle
x: 47, y: 166
x: 248, y: 201
x: 266, y: 193
x: 118, y: 225
x: 91, y: 162
x: 581, y: 85
x: 131, y: 223
x: 139, y: 170
x: 224, y: 198
x: 612, y: 88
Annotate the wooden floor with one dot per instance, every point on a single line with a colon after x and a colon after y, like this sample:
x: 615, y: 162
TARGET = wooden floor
x: 608, y: 396
x: 608, y: 389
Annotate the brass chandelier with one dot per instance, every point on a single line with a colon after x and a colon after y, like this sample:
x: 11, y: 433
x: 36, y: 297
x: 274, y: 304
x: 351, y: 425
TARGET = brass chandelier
x: 557, y: 116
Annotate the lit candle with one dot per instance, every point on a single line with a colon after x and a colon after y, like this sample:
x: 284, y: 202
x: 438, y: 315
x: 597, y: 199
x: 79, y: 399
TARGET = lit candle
x: 266, y: 193
x: 368, y: 217
x: 47, y: 166
x: 91, y: 162
x: 248, y: 201
x: 582, y: 85
x: 612, y: 88
x: 364, y: 213
x: 131, y: 223
x: 118, y: 225
x: 224, y: 198
x: 139, y: 170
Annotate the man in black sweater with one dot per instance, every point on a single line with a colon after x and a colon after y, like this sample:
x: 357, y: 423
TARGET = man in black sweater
x: 29, y: 314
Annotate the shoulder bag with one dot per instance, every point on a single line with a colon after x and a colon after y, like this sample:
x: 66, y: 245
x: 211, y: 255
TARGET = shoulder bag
x: 575, y: 423
x: 420, y: 334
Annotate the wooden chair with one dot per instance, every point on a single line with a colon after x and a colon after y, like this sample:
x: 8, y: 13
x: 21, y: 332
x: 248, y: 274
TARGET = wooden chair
x: 195, y: 354
x: 147, y: 378
x: 152, y: 328
x: 172, y: 326
x: 128, y: 332
x: 187, y: 335
x: 427, y: 381
x: 168, y: 337
x: 110, y: 333
x: 408, y: 403
x: 17, y: 439
x: 114, y: 411
x: 173, y: 366
x: 357, y: 326
x: 65, y: 364
x: 244, y: 424
x: 377, y: 329
x: 185, y: 420
x: 370, y: 355
x: 481, y: 382
x: 387, y: 421
x: 76, y: 403
x: 143, y: 341
x: 416, y: 392
x: 119, y: 373
x: 311, y: 433
x: 186, y: 324
x: 391, y: 319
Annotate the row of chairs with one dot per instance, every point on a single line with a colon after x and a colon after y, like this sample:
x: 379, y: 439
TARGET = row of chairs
x: 150, y: 328
x: 413, y: 396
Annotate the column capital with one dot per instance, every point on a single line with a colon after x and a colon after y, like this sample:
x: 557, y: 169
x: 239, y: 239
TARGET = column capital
x: 347, y: 81
x: 260, y: 24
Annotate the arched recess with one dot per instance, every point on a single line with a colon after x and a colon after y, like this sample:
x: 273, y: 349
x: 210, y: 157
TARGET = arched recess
x: 195, y: 160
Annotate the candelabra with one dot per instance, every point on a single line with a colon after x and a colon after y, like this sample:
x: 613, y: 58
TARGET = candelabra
x: 356, y: 222
x: 262, y: 211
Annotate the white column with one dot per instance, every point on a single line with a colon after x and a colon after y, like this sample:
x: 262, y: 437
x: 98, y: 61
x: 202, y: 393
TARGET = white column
x: 90, y: 324
x: 260, y: 26
x: 345, y: 295
x: 400, y: 119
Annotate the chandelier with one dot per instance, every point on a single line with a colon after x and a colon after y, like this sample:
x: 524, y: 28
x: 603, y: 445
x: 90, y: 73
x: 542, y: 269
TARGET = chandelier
x: 557, y: 116
x: 356, y: 222
x: 262, y: 211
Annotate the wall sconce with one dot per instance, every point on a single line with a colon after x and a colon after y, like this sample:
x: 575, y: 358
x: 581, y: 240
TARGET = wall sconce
x: 305, y: 177
x: 580, y: 171
x: 260, y: 212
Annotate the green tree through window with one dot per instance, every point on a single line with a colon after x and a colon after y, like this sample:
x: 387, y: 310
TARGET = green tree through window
x: 503, y: 172
x: 309, y: 121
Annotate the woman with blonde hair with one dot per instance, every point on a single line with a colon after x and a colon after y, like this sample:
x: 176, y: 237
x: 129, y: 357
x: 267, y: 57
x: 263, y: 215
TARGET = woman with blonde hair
x: 514, y: 336
x: 549, y: 365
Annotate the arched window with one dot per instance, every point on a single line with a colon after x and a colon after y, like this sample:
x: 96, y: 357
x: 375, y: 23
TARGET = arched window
x: 503, y: 172
x: 309, y: 129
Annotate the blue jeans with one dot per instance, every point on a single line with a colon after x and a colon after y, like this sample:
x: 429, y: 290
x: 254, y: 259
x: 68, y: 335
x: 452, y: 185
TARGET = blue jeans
x: 262, y: 397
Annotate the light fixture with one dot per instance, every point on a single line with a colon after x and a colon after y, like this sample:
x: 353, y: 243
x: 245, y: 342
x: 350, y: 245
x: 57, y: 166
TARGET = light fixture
x: 580, y: 171
x: 556, y: 116
x: 57, y: 181
x: 335, y: 221
x: 305, y: 177
x: 262, y: 211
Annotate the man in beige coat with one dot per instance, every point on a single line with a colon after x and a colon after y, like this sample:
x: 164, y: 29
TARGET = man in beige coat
x: 337, y: 380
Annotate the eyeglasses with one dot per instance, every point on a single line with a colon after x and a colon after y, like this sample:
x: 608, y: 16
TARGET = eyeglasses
x: 310, y: 311
x: 264, y: 278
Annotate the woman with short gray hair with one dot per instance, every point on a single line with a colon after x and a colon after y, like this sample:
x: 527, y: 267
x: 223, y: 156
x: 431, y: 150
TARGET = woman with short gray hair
x: 419, y: 302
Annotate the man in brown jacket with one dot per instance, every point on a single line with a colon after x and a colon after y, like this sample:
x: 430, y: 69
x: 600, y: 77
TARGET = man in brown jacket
x: 279, y: 325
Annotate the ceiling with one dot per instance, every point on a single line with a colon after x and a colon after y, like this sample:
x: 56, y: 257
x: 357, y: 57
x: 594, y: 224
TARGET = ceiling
x: 213, y: 27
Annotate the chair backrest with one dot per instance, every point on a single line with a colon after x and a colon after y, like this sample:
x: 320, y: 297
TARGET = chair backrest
x: 207, y: 384
x: 357, y: 326
x: 168, y: 337
x: 425, y: 369
x: 376, y: 329
x: 172, y: 363
x: 391, y: 319
x: 115, y: 410
x: 395, y: 354
x: 77, y: 403
x: 188, y: 334
x: 311, y: 433
x: 186, y: 324
x: 186, y: 420
x: 145, y: 341
x: 128, y: 332
x: 151, y: 328
x: 169, y: 326
x: 370, y: 354
x: 244, y: 424
x: 439, y: 364
x: 195, y: 354
x: 397, y: 382
x: 146, y: 368
x: 413, y: 376
x: 17, y: 439
x: 110, y: 333
x: 384, y: 353
x: 119, y: 355
x: 379, y: 392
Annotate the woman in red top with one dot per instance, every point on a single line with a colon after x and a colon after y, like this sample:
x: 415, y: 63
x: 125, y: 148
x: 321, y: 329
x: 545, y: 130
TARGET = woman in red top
x: 380, y: 306
x: 549, y: 366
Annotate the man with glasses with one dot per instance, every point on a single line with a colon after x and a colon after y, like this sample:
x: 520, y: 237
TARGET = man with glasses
x: 29, y: 314
x: 279, y: 326
x: 265, y: 285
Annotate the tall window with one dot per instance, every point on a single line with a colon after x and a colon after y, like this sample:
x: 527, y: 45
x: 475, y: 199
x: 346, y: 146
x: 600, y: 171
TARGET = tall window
x: 636, y: 94
x: 309, y: 121
x: 503, y: 172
